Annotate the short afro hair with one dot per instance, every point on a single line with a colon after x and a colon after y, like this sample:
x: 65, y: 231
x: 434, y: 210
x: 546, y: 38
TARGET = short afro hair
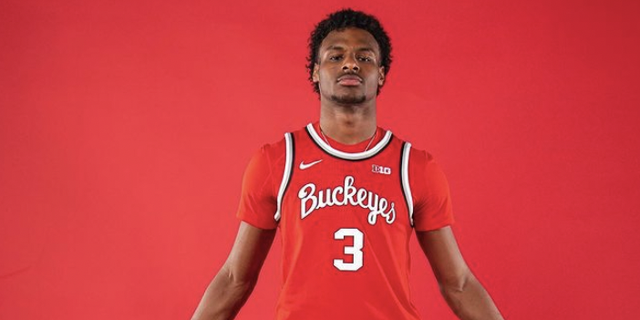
x: 340, y: 20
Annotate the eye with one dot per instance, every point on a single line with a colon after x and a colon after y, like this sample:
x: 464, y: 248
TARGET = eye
x: 365, y: 59
x: 335, y: 58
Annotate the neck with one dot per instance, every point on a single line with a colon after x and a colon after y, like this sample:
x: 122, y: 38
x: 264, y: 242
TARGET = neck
x: 348, y: 124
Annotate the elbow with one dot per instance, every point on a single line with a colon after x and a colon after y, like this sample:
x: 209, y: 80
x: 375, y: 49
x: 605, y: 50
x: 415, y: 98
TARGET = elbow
x: 454, y: 286
x: 453, y: 291
x: 237, y: 281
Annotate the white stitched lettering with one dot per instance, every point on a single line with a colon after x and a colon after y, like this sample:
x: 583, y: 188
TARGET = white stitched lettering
x: 357, y: 197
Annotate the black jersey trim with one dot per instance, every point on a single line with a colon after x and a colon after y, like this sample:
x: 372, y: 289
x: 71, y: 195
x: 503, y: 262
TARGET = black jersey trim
x: 404, y: 179
x: 293, y: 161
x: 287, y: 173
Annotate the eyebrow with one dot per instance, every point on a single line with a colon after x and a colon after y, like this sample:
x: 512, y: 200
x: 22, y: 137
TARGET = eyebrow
x: 341, y: 48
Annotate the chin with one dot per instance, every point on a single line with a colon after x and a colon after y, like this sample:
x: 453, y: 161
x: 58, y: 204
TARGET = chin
x: 349, y: 99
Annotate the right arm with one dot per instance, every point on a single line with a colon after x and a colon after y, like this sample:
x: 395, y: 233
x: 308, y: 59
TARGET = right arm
x: 231, y: 287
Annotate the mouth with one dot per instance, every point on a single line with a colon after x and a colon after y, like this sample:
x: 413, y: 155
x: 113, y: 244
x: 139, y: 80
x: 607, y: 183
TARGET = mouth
x: 349, y: 80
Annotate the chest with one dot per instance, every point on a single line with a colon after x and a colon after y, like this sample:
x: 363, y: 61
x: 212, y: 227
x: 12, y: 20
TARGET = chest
x: 366, y: 191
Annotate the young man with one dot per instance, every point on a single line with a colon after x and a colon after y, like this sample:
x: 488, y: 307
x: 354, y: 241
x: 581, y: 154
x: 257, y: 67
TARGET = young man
x: 346, y: 195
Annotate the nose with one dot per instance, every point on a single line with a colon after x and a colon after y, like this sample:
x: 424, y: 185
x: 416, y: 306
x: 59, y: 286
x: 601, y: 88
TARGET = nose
x: 350, y: 64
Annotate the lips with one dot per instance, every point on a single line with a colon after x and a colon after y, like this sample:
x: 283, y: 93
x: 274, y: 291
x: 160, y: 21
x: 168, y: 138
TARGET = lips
x: 349, y: 80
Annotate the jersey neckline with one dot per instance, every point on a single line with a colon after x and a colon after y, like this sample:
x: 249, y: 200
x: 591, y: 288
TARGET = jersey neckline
x: 375, y: 149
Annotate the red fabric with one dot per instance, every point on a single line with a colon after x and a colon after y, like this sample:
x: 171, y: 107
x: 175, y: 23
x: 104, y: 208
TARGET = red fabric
x: 317, y: 282
x: 432, y: 199
x: 260, y: 186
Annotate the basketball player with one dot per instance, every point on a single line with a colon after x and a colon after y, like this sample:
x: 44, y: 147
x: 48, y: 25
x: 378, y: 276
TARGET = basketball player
x: 346, y: 196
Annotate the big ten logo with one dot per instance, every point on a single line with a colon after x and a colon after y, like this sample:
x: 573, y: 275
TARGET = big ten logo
x: 380, y: 169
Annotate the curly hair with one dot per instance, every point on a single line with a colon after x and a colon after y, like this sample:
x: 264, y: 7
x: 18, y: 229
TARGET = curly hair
x: 340, y: 20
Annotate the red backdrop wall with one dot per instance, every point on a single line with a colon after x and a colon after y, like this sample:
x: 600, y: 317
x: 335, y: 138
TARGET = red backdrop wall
x: 125, y: 128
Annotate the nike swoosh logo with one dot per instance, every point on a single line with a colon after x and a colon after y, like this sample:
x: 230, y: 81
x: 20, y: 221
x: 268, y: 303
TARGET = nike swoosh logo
x: 308, y: 165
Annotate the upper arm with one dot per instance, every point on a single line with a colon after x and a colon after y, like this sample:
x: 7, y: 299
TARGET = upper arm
x: 442, y: 250
x: 261, y: 185
x: 256, y: 211
x: 249, y: 252
x: 429, y: 187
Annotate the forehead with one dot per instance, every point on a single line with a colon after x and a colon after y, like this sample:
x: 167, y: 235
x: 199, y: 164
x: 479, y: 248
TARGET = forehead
x: 350, y: 37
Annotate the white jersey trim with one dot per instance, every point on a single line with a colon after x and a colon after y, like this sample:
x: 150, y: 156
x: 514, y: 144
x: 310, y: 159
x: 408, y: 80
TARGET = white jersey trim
x: 286, y: 175
x: 406, y: 187
x: 345, y: 155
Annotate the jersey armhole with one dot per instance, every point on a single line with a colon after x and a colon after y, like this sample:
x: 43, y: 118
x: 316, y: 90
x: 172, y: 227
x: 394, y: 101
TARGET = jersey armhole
x: 404, y: 177
x: 286, y: 174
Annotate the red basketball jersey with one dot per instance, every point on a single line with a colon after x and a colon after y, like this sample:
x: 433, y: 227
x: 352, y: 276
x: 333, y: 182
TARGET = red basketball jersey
x: 345, y: 217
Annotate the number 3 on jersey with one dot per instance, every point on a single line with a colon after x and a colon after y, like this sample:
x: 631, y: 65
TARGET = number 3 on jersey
x: 355, y: 250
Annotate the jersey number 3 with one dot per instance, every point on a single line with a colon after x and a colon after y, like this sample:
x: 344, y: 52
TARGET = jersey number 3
x: 355, y: 250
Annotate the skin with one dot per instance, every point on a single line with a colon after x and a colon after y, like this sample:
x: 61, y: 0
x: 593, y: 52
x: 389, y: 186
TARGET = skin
x: 231, y: 287
x: 348, y: 112
x: 347, y: 115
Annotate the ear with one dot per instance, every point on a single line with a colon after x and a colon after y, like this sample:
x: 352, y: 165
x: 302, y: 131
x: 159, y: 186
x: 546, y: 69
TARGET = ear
x: 381, y: 78
x: 315, y: 76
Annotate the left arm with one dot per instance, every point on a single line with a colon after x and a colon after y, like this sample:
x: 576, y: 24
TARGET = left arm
x: 465, y: 295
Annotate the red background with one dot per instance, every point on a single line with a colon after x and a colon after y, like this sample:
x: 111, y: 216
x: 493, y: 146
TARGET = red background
x: 125, y: 128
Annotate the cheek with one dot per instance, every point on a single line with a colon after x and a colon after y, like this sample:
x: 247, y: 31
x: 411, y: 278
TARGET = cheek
x: 323, y: 76
x: 375, y: 79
